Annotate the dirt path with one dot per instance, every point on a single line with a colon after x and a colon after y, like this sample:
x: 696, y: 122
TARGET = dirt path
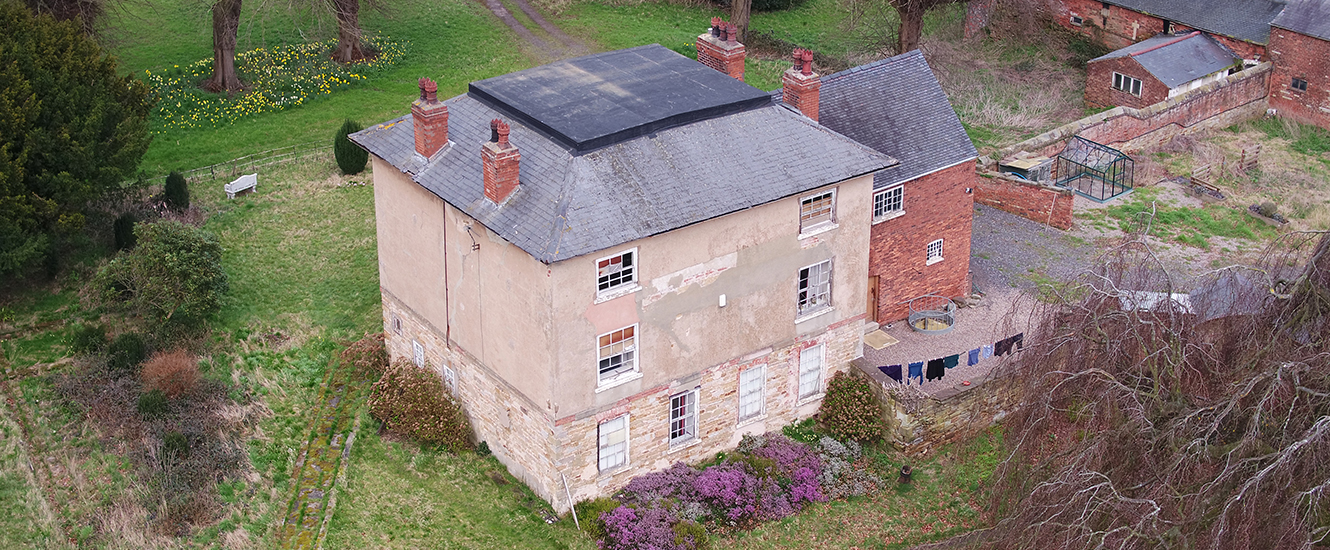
x: 559, y: 46
x: 321, y: 466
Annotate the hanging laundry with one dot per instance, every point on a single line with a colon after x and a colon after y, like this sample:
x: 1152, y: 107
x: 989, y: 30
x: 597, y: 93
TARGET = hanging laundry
x: 1002, y: 347
x: 986, y: 351
x: 1018, y: 341
x: 892, y: 371
x: 916, y: 371
x: 952, y: 360
x: 974, y: 357
x: 936, y: 369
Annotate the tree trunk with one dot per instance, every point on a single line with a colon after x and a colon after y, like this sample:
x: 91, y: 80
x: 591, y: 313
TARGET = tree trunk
x: 739, y: 11
x: 348, y: 31
x: 912, y: 24
x: 225, y: 24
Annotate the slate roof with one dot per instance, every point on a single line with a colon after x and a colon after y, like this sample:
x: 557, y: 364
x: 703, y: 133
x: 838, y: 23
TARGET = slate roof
x: 1177, y: 60
x: 1247, y: 20
x: 1309, y: 17
x: 572, y: 204
x: 896, y: 106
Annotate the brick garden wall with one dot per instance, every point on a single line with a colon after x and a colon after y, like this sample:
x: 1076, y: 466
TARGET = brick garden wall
x: 936, y: 207
x: 1099, y: 90
x: 1042, y: 203
x: 1301, y: 56
x: 1235, y: 98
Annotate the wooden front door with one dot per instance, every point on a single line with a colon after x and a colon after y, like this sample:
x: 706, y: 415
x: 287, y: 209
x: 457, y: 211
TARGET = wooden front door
x: 872, y: 298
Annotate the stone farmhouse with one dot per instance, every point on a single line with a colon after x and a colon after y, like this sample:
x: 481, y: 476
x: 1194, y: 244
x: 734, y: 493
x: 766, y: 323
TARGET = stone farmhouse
x: 1157, y: 69
x: 1293, y: 35
x: 630, y: 259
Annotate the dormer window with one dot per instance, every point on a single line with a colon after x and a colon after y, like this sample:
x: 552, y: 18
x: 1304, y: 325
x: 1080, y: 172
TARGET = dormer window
x: 616, y: 274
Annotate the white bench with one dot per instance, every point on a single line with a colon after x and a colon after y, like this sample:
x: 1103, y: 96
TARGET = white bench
x: 242, y: 183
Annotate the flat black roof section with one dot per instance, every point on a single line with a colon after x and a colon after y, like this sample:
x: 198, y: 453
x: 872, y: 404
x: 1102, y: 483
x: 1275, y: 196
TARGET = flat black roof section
x: 598, y: 100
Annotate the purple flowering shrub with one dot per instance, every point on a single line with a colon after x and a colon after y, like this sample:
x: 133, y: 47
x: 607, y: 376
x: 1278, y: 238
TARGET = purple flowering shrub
x: 632, y: 529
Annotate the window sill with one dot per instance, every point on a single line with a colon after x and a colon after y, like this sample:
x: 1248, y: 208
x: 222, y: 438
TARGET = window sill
x: 889, y: 217
x: 817, y: 229
x: 676, y: 447
x: 806, y: 400
x: 752, y: 420
x: 813, y: 315
x: 618, y: 381
x: 616, y: 293
x: 613, y: 471
x: 932, y: 261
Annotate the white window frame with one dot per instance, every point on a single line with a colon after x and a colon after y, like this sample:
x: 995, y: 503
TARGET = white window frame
x: 887, y: 213
x: 632, y: 372
x: 417, y: 353
x: 450, y: 380
x: 1128, y: 84
x: 603, y: 448
x: 813, y: 227
x: 1077, y: 20
x: 686, y: 431
x: 752, y: 393
x: 623, y: 287
x: 811, y: 374
x: 816, y: 301
x: 1293, y: 84
x: 935, y: 246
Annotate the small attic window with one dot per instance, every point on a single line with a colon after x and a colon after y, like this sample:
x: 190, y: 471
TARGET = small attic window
x: 1298, y: 85
x: 1076, y: 20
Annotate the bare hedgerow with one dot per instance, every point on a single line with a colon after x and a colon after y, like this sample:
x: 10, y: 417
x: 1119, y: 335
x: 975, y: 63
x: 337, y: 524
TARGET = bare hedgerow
x: 1148, y: 422
x: 367, y: 357
x: 175, y: 373
x: 412, y: 402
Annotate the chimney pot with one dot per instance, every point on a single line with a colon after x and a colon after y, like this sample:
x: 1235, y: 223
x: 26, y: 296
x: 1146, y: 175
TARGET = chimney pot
x: 807, y: 57
x: 802, y: 87
x: 720, y: 49
x: 715, y: 26
x: 430, y: 119
x: 501, y: 163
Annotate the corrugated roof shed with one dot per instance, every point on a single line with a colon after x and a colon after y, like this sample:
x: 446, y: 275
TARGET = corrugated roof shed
x: 572, y: 204
x: 1309, y: 17
x: 1177, y: 60
x: 896, y: 106
x: 1247, y: 20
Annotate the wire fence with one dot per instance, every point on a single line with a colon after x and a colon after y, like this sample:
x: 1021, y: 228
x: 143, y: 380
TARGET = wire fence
x: 236, y: 167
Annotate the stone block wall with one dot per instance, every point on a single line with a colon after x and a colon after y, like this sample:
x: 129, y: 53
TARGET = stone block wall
x: 543, y: 451
x: 1045, y: 204
x: 920, y: 423
x: 1235, y: 98
x: 1099, y: 90
x: 937, y: 206
x: 1297, y: 55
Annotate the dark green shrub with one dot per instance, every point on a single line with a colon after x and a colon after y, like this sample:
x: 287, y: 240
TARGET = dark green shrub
x: 124, y: 231
x: 173, y: 276
x: 589, y: 511
x: 850, y: 411
x: 690, y: 534
x: 88, y: 339
x: 176, y: 192
x: 152, y: 404
x: 350, y: 157
x: 483, y: 449
x: 1268, y: 209
x: 412, y: 402
x: 126, y: 352
x: 175, y: 444
x: 367, y: 357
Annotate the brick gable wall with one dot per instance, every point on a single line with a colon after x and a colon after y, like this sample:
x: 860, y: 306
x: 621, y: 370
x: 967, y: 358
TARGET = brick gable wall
x: 936, y: 207
x: 1099, y: 90
x: 1122, y: 27
x: 1297, y: 55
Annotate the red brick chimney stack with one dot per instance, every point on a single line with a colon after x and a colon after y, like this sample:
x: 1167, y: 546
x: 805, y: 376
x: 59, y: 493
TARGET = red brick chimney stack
x: 802, y: 86
x: 719, y: 50
x: 430, y: 118
x: 501, y: 160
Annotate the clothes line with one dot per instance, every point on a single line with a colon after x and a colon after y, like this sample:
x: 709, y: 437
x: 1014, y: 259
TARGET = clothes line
x: 936, y: 368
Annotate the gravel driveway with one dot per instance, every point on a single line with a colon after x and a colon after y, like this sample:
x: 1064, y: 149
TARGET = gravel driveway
x: 1008, y: 251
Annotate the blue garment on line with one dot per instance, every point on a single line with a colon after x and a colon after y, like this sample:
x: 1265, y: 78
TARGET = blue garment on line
x: 986, y: 351
x: 916, y: 371
x: 892, y: 371
x: 974, y: 357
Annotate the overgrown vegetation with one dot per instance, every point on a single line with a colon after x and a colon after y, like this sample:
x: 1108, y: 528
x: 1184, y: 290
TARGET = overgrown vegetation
x: 174, y: 275
x: 412, y: 402
x: 850, y: 411
x: 1154, y: 428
